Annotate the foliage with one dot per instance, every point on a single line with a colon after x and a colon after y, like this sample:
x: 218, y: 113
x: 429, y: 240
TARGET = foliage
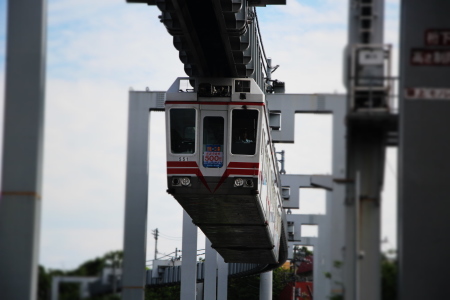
x: 281, y: 277
x: 337, y: 297
x: 247, y: 288
x: 306, y: 251
x: 104, y: 297
x: 238, y: 288
x: 389, y: 273
x: 162, y: 293
x: 301, y: 252
x: 337, y: 264
x: 244, y: 288
x: 67, y: 291
x: 44, y: 284
x: 70, y: 291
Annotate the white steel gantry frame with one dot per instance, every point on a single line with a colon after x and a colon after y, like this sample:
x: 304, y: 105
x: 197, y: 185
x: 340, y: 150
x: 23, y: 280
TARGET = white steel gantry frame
x: 329, y: 247
x: 283, y: 107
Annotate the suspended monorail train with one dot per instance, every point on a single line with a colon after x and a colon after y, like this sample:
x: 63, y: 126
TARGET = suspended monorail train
x: 221, y: 166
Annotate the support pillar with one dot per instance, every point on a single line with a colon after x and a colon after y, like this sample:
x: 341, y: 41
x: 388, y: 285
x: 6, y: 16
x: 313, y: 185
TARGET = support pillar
x: 55, y: 288
x: 20, y: 201
x: 423, y: 157
x: 189, y: 259
x: 210, y: 283
x: 265, y: 285
x: 367, y: 121
x: 136, y: 193
x: 135, y: 231
x: 222, y: 278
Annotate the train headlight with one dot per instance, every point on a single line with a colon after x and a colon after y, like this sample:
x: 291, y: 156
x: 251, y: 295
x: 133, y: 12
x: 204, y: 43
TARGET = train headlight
x: 238, y: 182
x: 185, y: 181
x: 249, y: 183
x: 175, y: 181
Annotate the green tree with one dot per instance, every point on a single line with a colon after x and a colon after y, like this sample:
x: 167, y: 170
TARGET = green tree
x: 238, y: 288
x: 243, y: 288
x: 44, y: 283
x: 281, y: 277
x: 389, y: 272
x: 247, y: 288
x: 70, y: 291
x: 162, y: 292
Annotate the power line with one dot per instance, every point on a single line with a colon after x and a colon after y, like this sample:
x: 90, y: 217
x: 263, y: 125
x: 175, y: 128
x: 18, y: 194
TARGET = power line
x: 168, y: 236
x: 170, y: 239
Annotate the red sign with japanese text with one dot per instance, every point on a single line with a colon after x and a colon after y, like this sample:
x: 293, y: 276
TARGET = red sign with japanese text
x: 437, y: 37
x: 430, y: 57
x: 427, y: 93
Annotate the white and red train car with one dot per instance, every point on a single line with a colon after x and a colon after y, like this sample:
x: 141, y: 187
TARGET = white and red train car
x: 221, y: 166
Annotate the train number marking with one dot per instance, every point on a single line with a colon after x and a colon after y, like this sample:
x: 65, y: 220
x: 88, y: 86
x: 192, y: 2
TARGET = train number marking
x: 183, y: 158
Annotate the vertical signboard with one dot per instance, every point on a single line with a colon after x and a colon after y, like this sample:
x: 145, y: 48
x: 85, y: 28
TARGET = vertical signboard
x: 424, y: 150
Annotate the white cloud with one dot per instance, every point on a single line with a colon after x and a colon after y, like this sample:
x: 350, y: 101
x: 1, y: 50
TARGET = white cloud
x: 307, y: 44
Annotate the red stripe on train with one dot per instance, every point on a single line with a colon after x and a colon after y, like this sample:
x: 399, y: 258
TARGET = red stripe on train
x: 183, y: 171
x: 242, y: 172
x: 244, y: 165
x: 232, y: 171
x: 216, y: 103
x: 193, y: 164
x: 191, y: 168
x: 182, y: 164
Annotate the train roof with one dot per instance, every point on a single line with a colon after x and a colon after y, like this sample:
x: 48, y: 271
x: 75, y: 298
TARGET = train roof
x: 221, y: 89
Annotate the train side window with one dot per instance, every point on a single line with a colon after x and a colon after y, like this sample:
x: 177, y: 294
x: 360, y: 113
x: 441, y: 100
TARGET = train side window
x: 243, y: 132
x: 213, y: 139
x: 182, y: 130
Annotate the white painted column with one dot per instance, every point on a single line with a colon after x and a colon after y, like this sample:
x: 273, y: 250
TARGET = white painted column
x: 210, y: 283
x: 21, y: 180
x: 222, y: 279
x: 189, y: 259
x: 265, y: 285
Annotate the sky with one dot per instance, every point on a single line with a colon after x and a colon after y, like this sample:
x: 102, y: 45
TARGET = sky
x: 98, y: 50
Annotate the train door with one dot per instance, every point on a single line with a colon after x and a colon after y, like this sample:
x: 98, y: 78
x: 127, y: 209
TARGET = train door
x: 213, y: 142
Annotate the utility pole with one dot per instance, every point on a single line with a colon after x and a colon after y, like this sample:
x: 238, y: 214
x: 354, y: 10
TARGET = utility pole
x: 155, y: 234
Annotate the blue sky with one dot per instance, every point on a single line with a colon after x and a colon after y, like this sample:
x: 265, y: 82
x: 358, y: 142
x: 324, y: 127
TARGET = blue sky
x: 98, y: 50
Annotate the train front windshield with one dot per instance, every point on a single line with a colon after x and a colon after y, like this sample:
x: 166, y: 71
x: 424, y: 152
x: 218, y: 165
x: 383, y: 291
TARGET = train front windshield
x: 182, y: 130
x: 244, y: 131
